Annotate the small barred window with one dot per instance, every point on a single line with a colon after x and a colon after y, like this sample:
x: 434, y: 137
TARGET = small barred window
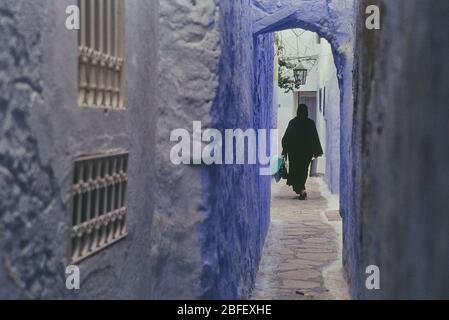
x: 99, y: 206
x: 101, y: 54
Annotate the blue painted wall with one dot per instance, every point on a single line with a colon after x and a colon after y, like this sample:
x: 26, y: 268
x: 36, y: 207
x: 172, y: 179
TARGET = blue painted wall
x: 237, y: 198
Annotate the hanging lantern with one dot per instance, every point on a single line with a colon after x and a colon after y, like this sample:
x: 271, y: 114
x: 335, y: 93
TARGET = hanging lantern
x: 300, y: 73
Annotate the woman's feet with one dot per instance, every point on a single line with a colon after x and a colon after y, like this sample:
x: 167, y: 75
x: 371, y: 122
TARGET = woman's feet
x: 302, y: 195
x: 301, y: 192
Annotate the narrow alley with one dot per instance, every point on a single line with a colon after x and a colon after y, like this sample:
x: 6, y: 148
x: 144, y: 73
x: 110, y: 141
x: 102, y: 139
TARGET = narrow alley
x: 302, y: 254
x: 139, y: 141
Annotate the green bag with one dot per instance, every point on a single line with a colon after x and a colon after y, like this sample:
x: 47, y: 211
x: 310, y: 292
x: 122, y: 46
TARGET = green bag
x: 281, y: 169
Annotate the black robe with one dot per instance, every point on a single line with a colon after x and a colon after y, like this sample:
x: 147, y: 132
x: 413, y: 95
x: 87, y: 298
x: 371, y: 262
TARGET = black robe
x: 300, y: 144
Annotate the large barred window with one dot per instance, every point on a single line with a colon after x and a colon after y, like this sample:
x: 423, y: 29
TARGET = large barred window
x: 99, y: 203
x: 101, y: 54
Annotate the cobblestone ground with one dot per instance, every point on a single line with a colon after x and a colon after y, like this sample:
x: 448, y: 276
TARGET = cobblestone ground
x: 302, y: 254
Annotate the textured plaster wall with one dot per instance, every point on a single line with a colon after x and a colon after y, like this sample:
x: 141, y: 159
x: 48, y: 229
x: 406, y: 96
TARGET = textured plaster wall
x: 43, y: 130
x: 239, y: 197
x: 188, y: 81
x: 28, y: 188
x: 402, y: 105
x: 210, y: 221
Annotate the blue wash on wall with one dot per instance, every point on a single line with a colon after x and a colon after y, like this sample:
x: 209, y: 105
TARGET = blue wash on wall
x: 236, y: 198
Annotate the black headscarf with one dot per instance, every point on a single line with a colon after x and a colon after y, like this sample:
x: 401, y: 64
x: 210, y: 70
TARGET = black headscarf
x: 303, y: 111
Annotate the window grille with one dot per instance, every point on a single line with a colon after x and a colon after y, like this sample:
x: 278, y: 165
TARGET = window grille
x: 101, y: 54
x: 99, y: 205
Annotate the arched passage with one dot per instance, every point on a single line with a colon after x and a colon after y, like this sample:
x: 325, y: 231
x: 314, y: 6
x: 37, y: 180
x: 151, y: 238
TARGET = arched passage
x: 334, y: 24
x: 235, y: 206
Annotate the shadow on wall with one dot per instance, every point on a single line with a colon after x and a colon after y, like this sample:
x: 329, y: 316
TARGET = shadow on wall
x: 404, y: 219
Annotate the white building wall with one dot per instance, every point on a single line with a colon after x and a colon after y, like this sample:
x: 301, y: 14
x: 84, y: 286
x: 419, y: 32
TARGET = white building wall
x: 286, y: 112
x: 329, y: 123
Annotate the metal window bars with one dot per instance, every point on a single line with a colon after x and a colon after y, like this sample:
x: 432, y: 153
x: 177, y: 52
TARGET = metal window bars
x: 99, y: 198
x: 101, y: 54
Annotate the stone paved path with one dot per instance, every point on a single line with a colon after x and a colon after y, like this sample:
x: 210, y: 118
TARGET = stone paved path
x: 302, y: 255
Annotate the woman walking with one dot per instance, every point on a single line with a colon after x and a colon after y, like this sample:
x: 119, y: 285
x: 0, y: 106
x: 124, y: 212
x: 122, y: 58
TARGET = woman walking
x: 301, y: 144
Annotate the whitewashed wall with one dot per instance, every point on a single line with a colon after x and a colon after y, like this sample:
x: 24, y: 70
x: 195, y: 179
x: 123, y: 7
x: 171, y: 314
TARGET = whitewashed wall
x: 328, y: 121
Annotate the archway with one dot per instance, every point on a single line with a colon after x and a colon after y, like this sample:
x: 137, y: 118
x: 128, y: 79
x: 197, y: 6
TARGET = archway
x: 236, y: 200
x: 332, y: 24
